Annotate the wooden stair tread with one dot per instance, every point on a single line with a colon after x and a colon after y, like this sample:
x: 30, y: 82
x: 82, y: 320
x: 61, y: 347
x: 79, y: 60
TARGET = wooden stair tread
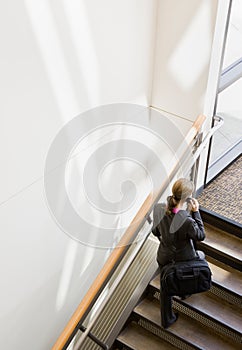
x: 226, y: 276
x: 139, y: 338
x: 223, y: 275
x: 186, y: 328
x: 155, y: 282
x: 223, y: 242
x: 209, y: 304
x: 223, y: 312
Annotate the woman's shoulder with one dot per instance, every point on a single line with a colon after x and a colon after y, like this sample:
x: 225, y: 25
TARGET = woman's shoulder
x: 159, y: 208
x: 182, y: 218
x: 184, y: 214
x: 159, y: 212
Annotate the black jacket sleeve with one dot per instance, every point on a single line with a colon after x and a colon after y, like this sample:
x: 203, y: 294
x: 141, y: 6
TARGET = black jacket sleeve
x: 196, y: 227
x: 158, y: 214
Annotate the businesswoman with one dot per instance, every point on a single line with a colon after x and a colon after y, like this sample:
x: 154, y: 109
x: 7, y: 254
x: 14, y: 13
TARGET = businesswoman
x: 178, y: 225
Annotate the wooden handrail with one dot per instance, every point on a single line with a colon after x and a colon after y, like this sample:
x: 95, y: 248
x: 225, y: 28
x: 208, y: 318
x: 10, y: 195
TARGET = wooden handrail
x: 198, y: 123
x: 117, y: 253
x: 195, y: 128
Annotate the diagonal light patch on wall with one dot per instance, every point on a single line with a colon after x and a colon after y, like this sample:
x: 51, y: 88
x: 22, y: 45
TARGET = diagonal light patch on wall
x: 65, y: 279
x: 186, y: 71
x: 84, y: 47
x: 49, y: 43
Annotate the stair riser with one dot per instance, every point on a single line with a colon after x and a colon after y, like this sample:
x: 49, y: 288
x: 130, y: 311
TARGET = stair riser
x: 120, y: 346
x: 221, y: 293
x: 227, y: 295
x: 221, y: 223
x: 203, y: 318
x: 179, y: 343
x: 220, y: 256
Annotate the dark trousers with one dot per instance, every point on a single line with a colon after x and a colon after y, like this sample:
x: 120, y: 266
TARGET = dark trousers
x: 167, y: 315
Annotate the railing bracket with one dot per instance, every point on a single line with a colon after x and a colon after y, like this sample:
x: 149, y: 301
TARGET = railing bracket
x: 94, y: 338
x: 148, y: 218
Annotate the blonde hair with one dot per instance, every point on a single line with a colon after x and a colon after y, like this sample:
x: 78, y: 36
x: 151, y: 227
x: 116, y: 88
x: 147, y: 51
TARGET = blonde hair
x: 181, y: 190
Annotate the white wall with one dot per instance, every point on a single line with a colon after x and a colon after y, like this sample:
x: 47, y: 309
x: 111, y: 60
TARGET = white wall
x: 188, y: 57
x: 183, y: 47
x: 58, y: 59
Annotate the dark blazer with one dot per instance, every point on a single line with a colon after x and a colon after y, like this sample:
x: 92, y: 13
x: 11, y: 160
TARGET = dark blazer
x: 176, y: 233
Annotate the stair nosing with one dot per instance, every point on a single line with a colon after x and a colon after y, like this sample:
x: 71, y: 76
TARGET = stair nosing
x: 176, y: 334
x: 136, y: 327
x: 200, y: 310
x: 208, y: 316
x: 215, y: 282
x: 210, y: 229
x: 227, y: 269
x: 220, y: 252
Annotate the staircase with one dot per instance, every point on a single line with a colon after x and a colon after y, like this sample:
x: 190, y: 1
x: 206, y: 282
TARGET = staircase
x: 211, y: 320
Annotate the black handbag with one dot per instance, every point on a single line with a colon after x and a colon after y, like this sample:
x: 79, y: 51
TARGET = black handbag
x: 186, y: 277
